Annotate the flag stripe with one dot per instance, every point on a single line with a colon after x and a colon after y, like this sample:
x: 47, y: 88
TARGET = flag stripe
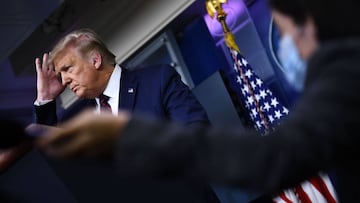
x: 283, y: 197
x: 303, y: 196
x: 313, y: 194
x: 329, y: 186
x: 321, y: 186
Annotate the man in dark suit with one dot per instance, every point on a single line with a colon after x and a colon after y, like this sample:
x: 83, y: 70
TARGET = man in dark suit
x: 85, y: 65
x: 89, y: 69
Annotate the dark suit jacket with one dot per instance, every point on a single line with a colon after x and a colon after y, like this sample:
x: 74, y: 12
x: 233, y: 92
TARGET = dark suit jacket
x: 320, y: 133
x: 156, y: 91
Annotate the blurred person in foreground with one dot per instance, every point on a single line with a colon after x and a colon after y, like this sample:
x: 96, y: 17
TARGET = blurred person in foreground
x: 319, y: 134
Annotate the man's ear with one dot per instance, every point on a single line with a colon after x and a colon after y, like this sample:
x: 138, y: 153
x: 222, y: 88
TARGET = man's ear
x: 96, y: 59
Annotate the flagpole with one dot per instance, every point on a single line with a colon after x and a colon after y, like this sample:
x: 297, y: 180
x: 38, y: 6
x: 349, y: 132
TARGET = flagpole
x: 214, y: 7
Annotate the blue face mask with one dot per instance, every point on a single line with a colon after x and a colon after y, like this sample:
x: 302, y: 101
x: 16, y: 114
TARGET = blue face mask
x: 293, y: 67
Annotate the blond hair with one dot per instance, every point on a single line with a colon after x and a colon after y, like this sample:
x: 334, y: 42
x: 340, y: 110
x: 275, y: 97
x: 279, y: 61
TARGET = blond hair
x: 84, y: 40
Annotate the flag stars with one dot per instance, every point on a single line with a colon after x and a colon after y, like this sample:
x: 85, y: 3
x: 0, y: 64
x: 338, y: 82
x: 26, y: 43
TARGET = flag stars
x: 236, y: 68
x: 253, y: 85
x: 238, y: 79
x: 253, y: 90
x: 244, y: 62
x: 277, y: 114
x: 247, y: 105
x: 243, y: 92
x: 258, y: 124
x: 259, y: 82
x: 254, y: 112
x: 246, y: 89
x: 250, y: 100
x: 271, y: 118
x: 267, y: 107
x: 248, y: 74
x: 285, y: 111
x: 262, y: 94
x: 252, y: 117
x: 234, y: 52
x: 257, y: 97
x: 263, y: 123
x: 274, y: 102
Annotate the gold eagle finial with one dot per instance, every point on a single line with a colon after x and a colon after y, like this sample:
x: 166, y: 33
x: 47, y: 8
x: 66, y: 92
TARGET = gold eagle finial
x: 214, y: 7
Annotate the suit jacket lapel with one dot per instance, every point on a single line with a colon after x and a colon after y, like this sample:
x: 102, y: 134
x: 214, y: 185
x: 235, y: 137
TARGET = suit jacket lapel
x: 128, y: 87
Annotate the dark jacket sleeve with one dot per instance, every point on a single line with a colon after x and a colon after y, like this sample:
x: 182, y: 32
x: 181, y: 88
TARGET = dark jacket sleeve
x: 180, y: 103
x: 45, y: 114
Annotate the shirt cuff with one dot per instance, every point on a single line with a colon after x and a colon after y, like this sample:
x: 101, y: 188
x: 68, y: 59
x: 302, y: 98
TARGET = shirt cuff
x: 40, y: 103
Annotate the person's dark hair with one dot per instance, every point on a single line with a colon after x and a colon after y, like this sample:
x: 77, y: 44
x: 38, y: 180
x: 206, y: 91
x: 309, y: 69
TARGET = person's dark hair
x: 333, y: 19
x: 294, y: 8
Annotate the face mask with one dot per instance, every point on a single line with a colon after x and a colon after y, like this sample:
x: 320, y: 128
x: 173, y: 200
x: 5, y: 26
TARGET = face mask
x: 293, y: 67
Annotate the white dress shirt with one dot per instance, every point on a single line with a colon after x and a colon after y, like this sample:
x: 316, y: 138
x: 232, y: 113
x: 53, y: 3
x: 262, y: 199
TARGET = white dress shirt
x: 112, y: 90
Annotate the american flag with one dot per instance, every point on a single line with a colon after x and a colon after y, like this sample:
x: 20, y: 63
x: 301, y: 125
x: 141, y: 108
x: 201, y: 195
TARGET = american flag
x: 265, y: 111
x: 263, y: 108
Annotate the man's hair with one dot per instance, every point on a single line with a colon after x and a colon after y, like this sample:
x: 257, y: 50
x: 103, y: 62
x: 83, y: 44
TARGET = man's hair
x: 334, y: 19
x: 83, y: 40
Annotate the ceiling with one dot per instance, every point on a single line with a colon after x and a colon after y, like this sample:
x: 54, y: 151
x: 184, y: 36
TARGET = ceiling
x: 44, y: 21
x: 18, y: 19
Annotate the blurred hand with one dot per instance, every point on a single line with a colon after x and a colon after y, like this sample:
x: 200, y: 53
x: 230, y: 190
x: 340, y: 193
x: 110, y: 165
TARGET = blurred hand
x: 88, y: 135
x: 10, y: 155
x: 49, y: 85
